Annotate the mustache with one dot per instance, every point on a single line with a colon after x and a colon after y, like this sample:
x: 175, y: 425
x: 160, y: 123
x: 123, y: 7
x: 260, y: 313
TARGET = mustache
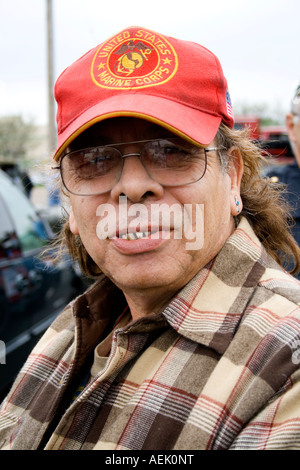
x: 124, y: 219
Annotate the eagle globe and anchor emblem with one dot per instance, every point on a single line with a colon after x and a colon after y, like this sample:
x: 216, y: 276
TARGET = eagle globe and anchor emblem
x: 134, y: 62
x: 131, y: 58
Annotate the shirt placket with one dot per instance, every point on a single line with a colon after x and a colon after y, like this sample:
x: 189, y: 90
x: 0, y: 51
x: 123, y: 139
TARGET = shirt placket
x: 94, y: 393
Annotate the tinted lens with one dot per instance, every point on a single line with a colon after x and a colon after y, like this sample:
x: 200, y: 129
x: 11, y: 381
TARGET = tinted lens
x: 173, y: 162
x: 92, y: 170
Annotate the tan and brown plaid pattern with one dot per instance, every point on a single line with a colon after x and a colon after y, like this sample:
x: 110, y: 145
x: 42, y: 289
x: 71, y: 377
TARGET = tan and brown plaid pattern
x: 217, y: 369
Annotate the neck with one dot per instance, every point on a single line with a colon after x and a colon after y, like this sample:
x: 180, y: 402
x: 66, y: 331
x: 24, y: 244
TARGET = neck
x: 144, y: 303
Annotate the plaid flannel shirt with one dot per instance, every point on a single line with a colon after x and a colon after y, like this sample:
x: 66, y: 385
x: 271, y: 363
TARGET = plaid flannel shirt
x: 217, y: 369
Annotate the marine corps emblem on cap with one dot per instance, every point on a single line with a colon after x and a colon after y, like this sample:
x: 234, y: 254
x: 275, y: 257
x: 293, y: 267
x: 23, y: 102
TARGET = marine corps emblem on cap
x: 134, y: 58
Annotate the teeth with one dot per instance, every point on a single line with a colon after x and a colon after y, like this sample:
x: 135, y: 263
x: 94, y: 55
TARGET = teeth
x: 134, y: 235
x: 142, y: 234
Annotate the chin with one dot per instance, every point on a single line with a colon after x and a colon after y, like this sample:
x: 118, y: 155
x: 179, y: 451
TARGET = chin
x: 144, y: 279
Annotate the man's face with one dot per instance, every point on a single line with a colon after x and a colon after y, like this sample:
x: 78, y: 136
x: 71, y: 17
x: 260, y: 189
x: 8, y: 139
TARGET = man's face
x: 163, y: 262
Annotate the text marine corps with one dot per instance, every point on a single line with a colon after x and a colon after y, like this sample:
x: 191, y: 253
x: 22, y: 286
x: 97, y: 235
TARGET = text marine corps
x: 109, y: 80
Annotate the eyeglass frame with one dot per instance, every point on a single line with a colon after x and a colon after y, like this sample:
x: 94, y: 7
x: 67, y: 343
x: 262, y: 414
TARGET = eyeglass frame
x: 132, y: 154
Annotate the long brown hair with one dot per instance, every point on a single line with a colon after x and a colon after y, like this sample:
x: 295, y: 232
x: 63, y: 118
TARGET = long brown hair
x: 264, y: 205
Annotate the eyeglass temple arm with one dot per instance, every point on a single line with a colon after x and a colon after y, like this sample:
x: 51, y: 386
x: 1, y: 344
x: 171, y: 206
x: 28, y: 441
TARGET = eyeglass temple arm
x: 214, y: 149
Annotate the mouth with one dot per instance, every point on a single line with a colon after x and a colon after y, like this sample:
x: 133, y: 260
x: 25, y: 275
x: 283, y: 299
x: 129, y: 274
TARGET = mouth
x: 136, y: 242
x: 136, y: 235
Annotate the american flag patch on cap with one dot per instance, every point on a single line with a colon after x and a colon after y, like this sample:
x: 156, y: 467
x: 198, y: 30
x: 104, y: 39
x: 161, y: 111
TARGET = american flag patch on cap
x: 228, y: 104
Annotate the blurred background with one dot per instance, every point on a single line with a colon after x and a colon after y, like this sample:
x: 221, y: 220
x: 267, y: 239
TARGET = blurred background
x: 258, y: 45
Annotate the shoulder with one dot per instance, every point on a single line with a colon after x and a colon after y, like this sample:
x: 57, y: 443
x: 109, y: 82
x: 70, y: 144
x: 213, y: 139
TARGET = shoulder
x: 275, y: 304
x: 275, y: 299
x: 279, y: 284
x: 276, y: 282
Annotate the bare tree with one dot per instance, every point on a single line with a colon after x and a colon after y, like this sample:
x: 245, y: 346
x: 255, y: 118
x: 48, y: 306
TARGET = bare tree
x: 16, y: 137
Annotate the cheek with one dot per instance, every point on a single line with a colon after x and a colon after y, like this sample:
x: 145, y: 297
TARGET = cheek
x: 83, y: 222
x: 217, y: 206
x: 82, y: 217
x: 72, y: 223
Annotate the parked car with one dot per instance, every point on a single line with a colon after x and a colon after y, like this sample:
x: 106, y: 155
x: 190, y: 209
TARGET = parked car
x: 20, y: 177
x: 275, y: 140
x: 33, y: 290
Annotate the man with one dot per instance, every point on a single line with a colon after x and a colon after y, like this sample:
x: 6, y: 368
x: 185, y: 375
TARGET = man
x: 190, y: 336
x: 290, y: 174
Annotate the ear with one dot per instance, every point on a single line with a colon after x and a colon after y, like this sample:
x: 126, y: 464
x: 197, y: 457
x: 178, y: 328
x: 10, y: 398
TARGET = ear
x: 72, y: 223
x: 290, y: 126
x: 235, y: 172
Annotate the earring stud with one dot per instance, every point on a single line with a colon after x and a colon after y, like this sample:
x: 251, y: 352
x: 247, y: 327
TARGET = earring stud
x: 237, y: 203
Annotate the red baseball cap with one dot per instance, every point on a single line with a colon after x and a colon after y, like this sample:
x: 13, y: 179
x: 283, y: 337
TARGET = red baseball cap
x: 176, y: 84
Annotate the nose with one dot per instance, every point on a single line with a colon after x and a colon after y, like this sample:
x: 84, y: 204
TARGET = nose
x: 135, y: 183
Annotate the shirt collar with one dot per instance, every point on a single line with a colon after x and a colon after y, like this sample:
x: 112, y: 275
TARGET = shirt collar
x: 208, y: 309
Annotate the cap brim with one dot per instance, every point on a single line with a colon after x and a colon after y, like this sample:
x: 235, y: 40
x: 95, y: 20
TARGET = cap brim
x: 198, y: 127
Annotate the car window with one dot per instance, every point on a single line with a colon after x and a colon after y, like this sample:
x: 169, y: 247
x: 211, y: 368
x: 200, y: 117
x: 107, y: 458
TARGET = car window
x: 29, y: 227
x: 9, y: 244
